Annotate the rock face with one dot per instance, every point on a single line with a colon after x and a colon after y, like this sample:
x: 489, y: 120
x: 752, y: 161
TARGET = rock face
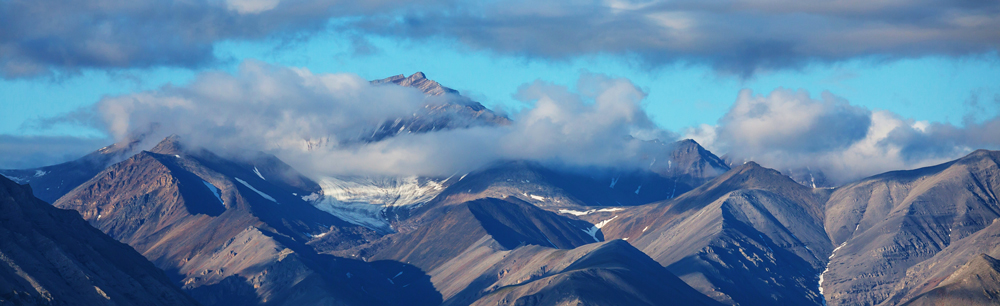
x: 50, y: 256
x: 976, y: 283
x: 749, y: 237
x: 889, y: 223
x: 232, y: 231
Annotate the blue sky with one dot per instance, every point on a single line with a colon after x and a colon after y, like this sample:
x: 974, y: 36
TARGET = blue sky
x: 850, y: 87
x: 932, y: 88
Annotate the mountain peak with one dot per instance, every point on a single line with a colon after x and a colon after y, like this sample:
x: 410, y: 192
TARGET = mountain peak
x: 417, y: 76
x: 418, y: 80
x: 169, y: 145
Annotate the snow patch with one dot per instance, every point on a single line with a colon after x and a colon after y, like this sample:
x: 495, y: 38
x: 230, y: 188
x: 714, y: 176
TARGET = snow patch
x: 215, y: 191
x: 311, y: 197
x: 581, y: 213
x: 614, y: 181
x: 637, y: 189
x: 832, y: 254
x: 644, y: 229
x: 363, y: 200
x: 40, y: 173
x: 255, y: 171
x: 592, y: 231
x: 262, y: 194
x: 538, y: 198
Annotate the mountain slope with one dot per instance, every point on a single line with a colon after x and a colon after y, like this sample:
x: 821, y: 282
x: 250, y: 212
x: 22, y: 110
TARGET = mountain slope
x: 680, y: 167
x: 929, y: 273
x: 751, y: 236
x: 232, y: 232
x: 976, y: 283
x: 607, y: 273
x: 442, y: 232
x: 888, y: 223
x: 50, y: 256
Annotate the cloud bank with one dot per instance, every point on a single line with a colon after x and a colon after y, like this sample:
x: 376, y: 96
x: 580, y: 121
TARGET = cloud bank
x: 741, y: 37
x: 40, y: 37
x: 788, y: 129
x: 310, y: 120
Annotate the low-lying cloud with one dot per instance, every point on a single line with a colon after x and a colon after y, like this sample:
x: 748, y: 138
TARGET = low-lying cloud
x: 311, y: 121
x: 788, y: 129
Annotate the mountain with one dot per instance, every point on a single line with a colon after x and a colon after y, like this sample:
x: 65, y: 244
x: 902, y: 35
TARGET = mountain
x: 234, y: 232
x: 679, y: 167
x: 751, y: 236
x: 930, y: 273
x: 891, y: 222
x: 444, y: 109
x: 439, y: 232
x: 493, y: 251
x: 51, y: 182
x: 607, y: 273
x: 976, y: 283
x: 51, y: 256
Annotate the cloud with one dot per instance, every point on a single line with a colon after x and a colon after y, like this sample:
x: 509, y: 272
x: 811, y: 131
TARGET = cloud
x: 22, y: 152
x: 790, y: 130
x: 313, y: 121
x: 741, y: 37
x: 41, y: 37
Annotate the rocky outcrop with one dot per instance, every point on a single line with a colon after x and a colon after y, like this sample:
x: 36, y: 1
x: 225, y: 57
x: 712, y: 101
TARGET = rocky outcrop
x: 50, y: 256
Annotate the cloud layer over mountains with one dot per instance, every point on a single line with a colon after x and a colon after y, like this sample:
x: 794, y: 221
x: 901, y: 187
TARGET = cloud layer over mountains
x: 788, y: 129
x: 311, y: 121
x: 740, y: 37
x: 314, y: 121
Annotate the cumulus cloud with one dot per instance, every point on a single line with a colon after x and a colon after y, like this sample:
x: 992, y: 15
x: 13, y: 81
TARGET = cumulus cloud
x: 311, y: 121
x: 790, y: 130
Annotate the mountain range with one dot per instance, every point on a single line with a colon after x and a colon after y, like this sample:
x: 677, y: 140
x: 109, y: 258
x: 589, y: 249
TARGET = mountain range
x: 175, y: 224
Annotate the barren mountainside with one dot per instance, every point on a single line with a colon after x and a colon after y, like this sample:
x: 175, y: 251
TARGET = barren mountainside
x: 50, y: 256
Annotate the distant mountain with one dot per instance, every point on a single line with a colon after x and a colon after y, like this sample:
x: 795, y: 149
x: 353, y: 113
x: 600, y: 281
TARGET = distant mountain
x: 891, y: 222
x: 751, y: 236
x: 51, y: 182
x: 678, y: 168
x: 234, y: 232
x: 50, y: 256
x: 445, y: 109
